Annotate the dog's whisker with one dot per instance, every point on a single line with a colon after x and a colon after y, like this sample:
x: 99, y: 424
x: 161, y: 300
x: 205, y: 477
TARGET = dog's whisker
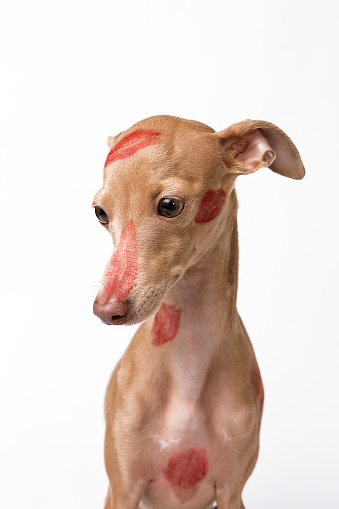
x: 88, y: 298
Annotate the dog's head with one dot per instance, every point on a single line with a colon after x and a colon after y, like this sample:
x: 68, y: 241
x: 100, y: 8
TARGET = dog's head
x: 166, y: 198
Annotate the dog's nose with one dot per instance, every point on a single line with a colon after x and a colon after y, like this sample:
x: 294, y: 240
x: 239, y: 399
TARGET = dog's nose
x: 111, y: 313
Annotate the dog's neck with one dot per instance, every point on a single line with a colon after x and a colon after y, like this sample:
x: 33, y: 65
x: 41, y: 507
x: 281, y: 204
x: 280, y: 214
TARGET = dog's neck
x: 206, y: 294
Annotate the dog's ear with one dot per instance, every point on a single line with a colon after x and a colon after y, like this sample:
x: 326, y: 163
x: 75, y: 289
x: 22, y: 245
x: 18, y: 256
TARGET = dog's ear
x: 253, y: 144
x: 113, y: 140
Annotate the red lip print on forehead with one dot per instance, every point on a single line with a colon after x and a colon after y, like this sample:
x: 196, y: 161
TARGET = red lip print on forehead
x: 122, y: 271
x: 187, y: 468
x: 210, y: 206
x: 131, y: 143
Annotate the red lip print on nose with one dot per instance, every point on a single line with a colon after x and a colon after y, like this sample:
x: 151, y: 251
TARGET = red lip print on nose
x: 123, y: 268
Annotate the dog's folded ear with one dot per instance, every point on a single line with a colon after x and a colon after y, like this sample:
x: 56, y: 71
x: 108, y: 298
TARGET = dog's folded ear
x: 113, y: 140
x: 253, y: 144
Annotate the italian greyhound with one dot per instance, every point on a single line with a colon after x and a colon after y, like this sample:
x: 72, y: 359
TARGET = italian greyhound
x: 184, y: 404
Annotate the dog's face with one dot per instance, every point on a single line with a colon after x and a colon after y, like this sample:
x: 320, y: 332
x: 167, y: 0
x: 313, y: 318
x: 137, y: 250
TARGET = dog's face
x: 166, y: 195
x: 164, y: 191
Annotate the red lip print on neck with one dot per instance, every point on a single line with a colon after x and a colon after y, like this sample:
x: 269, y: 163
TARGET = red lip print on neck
x: 122, y: 271
x: 131, y: 143
x: 165, y: 324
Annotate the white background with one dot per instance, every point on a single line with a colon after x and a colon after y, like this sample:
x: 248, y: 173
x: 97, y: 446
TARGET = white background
x: 75, y: 72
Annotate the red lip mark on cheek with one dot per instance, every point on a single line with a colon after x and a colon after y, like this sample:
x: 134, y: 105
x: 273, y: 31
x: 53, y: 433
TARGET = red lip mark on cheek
x: 122, y: 271
x: 187, y: 468
x: 257, y: 384
x: 210, y: 206
x: 165, y: 324
x: 131, y: 143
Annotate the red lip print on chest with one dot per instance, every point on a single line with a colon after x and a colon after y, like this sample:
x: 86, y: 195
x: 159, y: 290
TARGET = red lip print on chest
x: 123, y: 268
x: 187, y: 468
x: 210, y: 206
x: 165, y: 324
x: 131, y: 143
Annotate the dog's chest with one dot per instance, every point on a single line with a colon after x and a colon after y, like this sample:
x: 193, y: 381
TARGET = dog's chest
x: 182, y: 458
x: 182, y: 421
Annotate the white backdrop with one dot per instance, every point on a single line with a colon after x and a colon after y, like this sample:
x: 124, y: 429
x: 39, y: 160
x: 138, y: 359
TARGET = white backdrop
x: 75, y: 72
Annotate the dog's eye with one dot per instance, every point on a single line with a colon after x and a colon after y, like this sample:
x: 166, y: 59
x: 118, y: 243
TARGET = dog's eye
x: 171, y: 207
x: 101, y: 215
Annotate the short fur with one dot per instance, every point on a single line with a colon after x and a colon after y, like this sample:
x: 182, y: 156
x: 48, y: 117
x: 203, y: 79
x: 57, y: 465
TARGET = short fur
x: 202, y: 390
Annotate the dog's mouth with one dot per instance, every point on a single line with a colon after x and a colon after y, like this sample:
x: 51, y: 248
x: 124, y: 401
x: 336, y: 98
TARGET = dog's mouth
x: 136, y: 314
x: 123, y: 313
x: 140, y: 305
x: 115, y: 320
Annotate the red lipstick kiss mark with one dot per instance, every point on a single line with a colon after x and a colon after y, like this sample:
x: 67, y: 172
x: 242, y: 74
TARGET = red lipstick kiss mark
x: 257, y: 384
x: 187, y: 468
x: 210, y: 206
x: 122, y: 271
x: 165, y: 324
x: 131, y: 143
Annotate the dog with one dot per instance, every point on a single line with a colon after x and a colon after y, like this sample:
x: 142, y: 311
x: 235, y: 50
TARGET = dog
x: 184, y: 404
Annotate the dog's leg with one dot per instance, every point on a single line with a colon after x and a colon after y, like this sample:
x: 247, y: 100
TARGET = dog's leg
x: 241, y: 507
x: 230, y: 505
x: 120, y: 502
x: 225, y: 500
x: 125, y: 491
x: 108, y: 500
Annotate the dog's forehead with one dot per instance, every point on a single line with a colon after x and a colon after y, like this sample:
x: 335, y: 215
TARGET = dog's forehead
x: 160, y: 148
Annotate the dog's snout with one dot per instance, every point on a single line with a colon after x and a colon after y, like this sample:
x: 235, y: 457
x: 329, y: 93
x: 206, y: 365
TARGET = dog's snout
x: 111, y: 313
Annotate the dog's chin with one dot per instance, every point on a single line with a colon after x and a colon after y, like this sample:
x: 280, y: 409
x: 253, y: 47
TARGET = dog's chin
x: 142, y: 307
x: 138, y: 314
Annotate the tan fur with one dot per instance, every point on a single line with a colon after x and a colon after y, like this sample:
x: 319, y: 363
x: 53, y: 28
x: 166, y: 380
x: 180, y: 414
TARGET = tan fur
x: 203, y: 389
